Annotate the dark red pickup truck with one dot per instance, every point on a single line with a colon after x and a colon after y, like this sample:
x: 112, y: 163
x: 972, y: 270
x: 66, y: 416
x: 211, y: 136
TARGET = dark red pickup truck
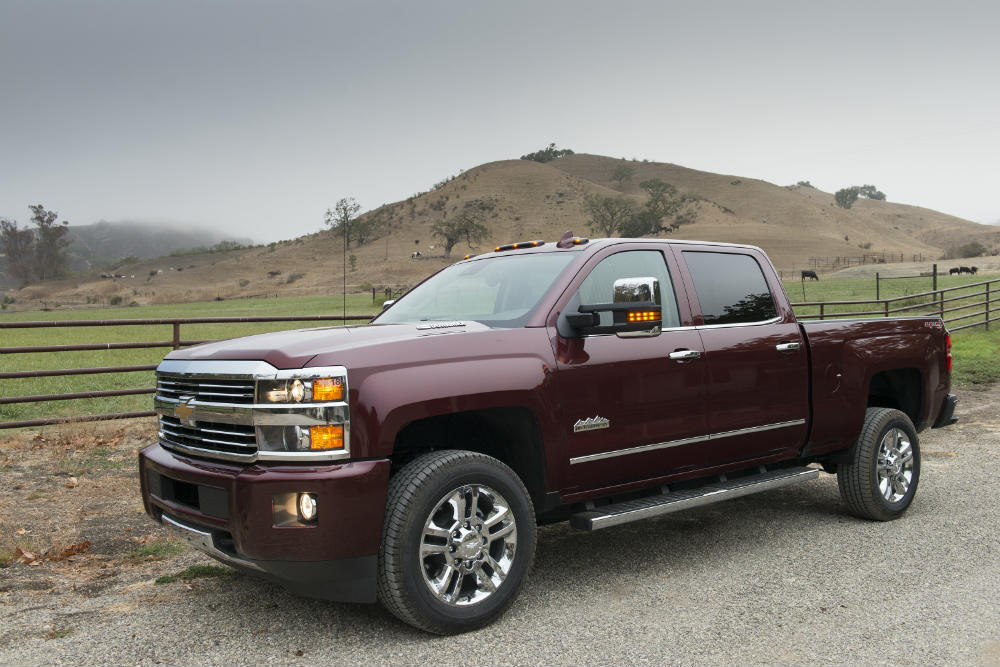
x: 596, y: 382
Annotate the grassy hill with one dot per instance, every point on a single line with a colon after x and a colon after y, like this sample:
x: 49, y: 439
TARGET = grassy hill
x: 529, y: 200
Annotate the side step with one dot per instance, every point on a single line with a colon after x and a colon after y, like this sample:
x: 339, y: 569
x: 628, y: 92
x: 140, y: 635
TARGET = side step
x: 644, y: 508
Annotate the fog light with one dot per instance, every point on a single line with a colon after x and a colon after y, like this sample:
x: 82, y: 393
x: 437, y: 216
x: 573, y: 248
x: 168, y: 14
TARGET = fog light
x: 326, y: 437
x: 307, y: 506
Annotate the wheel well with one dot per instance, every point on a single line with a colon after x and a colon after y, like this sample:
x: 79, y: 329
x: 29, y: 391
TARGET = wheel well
x: 511, y: 435
x: 900, y: 389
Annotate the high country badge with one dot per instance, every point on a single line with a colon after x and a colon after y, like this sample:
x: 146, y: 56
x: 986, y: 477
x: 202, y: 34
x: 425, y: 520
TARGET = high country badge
x: 590, y: 424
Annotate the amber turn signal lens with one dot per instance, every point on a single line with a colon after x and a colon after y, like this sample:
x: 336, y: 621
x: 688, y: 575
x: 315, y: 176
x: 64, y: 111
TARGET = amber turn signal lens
x: 643, y: 316
x: 328, y: 389
x: 326, y: 437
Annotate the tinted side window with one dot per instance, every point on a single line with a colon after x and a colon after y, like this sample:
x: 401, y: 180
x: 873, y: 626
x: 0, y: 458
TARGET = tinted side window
x: 598, y: 287
x: 731, y: 288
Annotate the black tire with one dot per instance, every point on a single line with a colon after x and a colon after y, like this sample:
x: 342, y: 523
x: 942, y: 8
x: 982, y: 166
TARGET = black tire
x: 881, y: 480
x: 418, y: 507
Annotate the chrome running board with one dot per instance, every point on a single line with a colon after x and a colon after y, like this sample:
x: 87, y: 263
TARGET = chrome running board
x: 673, y: 501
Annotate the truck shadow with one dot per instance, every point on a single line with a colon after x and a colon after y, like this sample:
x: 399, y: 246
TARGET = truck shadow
x: 571, y: 565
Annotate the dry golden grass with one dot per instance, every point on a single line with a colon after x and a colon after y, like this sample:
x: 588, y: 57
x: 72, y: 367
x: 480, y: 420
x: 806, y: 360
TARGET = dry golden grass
x: 532, y: 201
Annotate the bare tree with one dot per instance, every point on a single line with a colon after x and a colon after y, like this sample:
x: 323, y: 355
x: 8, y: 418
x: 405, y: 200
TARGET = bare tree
x: 622, y: 173
x: 19, y: 247
x: 466, y: 225
x: 607, y: 213
x: 342, y: 218
x: 50, y: 243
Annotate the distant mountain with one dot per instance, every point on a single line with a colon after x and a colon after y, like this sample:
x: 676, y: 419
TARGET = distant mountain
x: 104, y: 243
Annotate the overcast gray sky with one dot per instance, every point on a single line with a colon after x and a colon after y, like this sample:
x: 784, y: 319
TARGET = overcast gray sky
x: 255, y: 117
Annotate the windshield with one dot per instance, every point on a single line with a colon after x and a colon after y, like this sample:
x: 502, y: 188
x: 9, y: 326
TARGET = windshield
x: 498, y: 292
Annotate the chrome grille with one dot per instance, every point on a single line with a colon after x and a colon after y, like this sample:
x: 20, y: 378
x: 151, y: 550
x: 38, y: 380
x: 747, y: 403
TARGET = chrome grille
x: 238, y: 441
x: 205, y: 390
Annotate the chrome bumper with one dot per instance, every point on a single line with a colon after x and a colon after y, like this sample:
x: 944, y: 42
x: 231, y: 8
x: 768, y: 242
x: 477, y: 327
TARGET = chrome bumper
x: 202, y: 540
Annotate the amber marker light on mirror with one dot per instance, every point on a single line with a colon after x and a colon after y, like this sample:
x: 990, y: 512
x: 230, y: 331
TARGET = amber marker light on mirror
x: 643, y: 316
x: 327, y: 389
x: 326, y: 437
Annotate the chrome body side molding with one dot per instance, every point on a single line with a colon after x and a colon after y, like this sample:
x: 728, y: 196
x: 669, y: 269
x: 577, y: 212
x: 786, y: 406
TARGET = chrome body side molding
x: 685, y: 441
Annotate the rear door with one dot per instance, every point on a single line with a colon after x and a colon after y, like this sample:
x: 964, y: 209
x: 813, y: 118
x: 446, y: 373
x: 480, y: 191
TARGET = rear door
x: 757, y: 392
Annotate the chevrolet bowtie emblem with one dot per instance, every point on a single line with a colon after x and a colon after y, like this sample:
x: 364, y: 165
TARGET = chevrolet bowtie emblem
x: 183, y: 411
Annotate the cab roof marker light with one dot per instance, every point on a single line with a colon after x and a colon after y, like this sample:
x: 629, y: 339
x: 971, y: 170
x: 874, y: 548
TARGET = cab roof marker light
x: 518, y: 245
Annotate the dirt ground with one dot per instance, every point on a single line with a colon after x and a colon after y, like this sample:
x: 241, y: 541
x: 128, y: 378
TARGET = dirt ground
x: 71, y: 518
x: 81, y: 564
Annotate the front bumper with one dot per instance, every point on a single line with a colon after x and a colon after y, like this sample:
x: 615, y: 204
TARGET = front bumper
x: 226, y: 511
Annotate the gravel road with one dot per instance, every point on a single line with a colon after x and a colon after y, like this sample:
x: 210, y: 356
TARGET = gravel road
x: 784, y: 577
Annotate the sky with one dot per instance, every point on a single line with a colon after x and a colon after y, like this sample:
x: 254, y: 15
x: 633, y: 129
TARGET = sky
x: 253, y: 118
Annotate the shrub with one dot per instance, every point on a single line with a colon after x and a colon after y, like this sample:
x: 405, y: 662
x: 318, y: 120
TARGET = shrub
x: 970, y: 249
x: 116, y: 300
x: 547, y: 154
x: 846, y: 197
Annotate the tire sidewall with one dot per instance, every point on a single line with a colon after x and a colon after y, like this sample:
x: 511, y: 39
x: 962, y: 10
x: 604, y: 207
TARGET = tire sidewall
x: 451, y: 618
x: 895, y: 509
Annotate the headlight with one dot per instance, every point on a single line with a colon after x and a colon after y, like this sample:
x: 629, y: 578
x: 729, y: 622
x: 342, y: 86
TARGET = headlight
x: 302, y: 415
x: 301, y: 390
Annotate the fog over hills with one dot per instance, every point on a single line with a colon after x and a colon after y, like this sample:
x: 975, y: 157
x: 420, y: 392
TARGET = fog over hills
x: 106, y: 242
x: 103, y: 244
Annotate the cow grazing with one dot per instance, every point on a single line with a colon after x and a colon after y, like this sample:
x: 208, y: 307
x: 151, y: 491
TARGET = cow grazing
x: 952, y: 271
x: 415, y: 255
x: 809, y: 274
x: 973, y: 270
x: 964, y: 269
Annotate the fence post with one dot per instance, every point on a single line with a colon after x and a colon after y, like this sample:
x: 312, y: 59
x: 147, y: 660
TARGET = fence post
x: 987, y: 306
x: 887, y: 308
x: 876, y: 286
x: 177, y: 335
x: 821, y: 311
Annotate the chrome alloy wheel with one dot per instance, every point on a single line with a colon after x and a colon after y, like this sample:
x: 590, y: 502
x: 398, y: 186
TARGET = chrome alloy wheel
x: 894, y: 465
x: 467, y: 545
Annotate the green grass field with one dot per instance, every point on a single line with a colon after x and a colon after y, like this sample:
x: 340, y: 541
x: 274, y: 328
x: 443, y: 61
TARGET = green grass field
x: 976, y: 352
x: 314, y: 305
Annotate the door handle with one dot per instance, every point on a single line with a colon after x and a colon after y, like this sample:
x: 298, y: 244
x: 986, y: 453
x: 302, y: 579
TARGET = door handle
x: 787, y: 347
x: 684, y: 355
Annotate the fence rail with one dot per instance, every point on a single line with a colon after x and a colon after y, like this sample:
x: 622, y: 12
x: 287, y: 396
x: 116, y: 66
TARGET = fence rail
x: 176, y: 343
x: 929, y: 303
x: 944, y: 303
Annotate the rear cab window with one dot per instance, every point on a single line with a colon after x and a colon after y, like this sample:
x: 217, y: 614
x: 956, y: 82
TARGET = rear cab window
x: 730, y: 287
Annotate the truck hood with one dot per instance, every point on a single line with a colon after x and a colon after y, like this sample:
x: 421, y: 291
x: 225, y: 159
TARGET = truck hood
x: 294, y: 349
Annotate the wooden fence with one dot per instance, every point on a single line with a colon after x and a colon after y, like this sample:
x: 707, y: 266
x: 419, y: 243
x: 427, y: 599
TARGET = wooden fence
x: 175, y: 343
x: 955, y: 305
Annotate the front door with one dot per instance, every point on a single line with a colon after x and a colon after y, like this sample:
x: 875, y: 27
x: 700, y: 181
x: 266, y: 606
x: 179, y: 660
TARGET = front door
x: 631, y: 411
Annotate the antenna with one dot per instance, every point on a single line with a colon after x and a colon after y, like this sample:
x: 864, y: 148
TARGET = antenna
x: 345, y: 276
